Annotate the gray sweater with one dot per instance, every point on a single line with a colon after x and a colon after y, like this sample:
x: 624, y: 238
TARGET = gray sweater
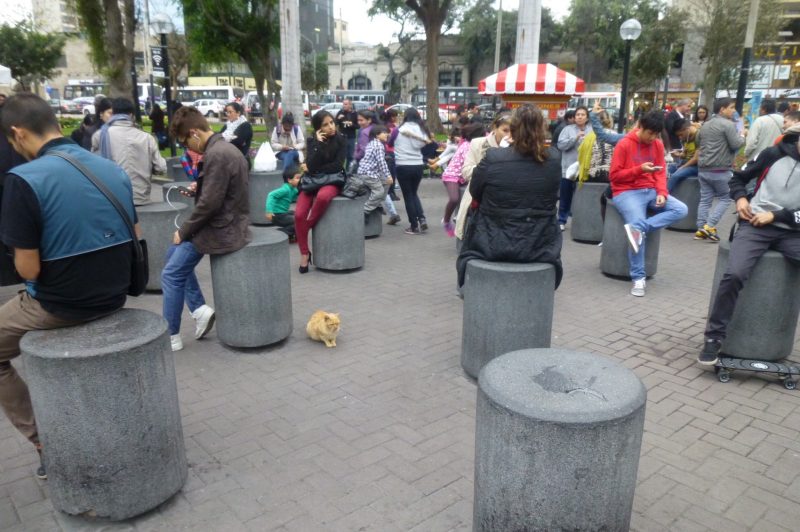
x: 718, y: 142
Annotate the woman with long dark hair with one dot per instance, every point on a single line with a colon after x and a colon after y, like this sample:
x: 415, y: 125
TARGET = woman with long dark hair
x: 326, y: 152
x: 238, y: 130
x: 409, y: 139
x: 516, y: 189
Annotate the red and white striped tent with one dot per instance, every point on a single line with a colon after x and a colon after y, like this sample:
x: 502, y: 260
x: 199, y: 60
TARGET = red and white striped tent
x: 544, y: 78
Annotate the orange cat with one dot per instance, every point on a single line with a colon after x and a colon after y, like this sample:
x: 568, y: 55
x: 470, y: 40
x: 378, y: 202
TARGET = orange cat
x: 323, y: 327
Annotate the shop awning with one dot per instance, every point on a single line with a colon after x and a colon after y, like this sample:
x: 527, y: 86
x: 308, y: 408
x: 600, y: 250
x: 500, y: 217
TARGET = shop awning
x: 543, y: 78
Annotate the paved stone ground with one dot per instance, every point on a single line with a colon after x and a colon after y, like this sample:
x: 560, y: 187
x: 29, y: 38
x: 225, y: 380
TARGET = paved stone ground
x: 378, y: 434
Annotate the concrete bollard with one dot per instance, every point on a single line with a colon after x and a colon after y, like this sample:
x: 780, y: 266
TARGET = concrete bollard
x: 587, y: 223
x: 373, y: 227
x: 172, y: 195
x: 614, y: 253
x: 261, y: 184
x: 557, y: 442
x: 106, y: 406
x: 337, y: 241
x: 175, y: 170
x: 253, y: 291
x: 507, y: 306
x: 688, y: 191
x: 159, y: 222
x: 765, y: 319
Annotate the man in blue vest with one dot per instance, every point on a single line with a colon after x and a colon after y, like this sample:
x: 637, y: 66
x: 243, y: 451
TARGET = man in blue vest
x: 70, y: 245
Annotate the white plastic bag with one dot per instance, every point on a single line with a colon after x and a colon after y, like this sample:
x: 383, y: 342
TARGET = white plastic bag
x: 265, y: 160
x: 572, y: 171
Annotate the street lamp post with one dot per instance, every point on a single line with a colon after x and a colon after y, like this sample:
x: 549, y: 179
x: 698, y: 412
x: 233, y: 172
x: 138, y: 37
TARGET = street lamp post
x: 162, y: 25
x: 629, y: 31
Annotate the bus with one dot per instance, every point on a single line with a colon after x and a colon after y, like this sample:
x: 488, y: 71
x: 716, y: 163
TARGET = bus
x: 373, y: 98
x: 610, y: 101
x: 191, y: 93
x: 78, y: 88
x: 449, y: 97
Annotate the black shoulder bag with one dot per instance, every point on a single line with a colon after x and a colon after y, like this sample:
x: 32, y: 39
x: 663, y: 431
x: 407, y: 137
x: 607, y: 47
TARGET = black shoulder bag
x: 139, y: 269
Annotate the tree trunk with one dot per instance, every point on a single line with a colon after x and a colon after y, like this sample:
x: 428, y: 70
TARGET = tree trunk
x: 291, y: 93
x: 118, y: 58
x: 432, y: 78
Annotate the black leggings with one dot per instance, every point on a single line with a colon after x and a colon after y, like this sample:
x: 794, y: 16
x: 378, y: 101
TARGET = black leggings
x: 409, y: 178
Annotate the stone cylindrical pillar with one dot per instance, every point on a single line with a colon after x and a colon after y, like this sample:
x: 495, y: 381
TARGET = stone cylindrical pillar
x: 614, y: 253
x: 373, y: 227
x: 159, y: 221
x: 765, y: 318
x: 507, y: 306
x: 587, y: 223
x: 688, y: 191
x: 175, y: 169
x: 557, y: 441
x: 172, y: 194
x: 253, y: 291
x: 106, y: 406
x: 337, y: 240
x: 261, y: 184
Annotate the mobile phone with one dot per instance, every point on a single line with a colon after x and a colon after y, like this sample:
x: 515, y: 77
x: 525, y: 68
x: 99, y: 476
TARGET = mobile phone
x: 658, y: 168
x: 185, y: 190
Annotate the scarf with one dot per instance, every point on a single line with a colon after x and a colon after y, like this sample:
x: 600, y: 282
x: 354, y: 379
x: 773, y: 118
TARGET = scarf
x: 105, y: 138
x: 585, y: 156
x: 230, y: 130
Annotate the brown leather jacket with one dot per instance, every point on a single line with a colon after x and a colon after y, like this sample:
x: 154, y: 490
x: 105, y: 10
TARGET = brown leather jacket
x: 220, y: 220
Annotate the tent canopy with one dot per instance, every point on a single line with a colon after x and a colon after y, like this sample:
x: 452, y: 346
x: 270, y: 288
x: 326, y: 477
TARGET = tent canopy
x: 543, y: 78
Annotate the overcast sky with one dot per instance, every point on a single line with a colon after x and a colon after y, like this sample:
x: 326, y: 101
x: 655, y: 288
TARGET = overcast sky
x: 380, y: 28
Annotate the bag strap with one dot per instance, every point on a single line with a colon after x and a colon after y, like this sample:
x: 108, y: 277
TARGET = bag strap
x: 106, y: 192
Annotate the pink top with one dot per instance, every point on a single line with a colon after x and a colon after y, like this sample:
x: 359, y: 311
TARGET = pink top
x: 452, y: 174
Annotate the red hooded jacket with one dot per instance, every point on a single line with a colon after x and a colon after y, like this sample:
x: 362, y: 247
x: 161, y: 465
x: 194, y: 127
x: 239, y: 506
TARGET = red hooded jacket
x: 626, y: 172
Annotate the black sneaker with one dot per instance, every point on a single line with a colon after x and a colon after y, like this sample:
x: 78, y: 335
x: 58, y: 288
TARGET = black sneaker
x: 41, y: 473
x: 710, y: 353
x: 423, y: 224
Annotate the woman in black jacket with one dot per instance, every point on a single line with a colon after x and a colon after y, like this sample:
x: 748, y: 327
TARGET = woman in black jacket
x: 238, y: 130
x: 326, y: 152
x: 516, y: 190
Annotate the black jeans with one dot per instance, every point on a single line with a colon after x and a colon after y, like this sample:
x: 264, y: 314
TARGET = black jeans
x: 409, y: 178
x: 747, y: 247
x: 285, y: 221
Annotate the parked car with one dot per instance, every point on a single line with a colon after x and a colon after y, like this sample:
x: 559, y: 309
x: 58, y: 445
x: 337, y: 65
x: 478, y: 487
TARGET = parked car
x: 444, y: 114
x: 332, y: 108
x: 252, y: 107
x: 488, y: 111
x: 210, y: 107
x: 85, y: 104
x: 69, y: 107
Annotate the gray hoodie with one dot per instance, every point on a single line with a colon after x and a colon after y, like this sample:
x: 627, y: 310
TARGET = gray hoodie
x: 718, y: 142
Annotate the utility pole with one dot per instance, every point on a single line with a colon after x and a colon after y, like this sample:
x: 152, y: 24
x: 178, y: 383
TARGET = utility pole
x: 497, y: 38
x: 341, y: 71
x: 290, y: 60
x: 749, y: 37
x: 529, y: 27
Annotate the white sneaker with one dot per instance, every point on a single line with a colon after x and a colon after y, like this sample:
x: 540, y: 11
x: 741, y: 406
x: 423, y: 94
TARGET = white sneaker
x: 177, y: 343
x: 205, y: 320
x: 635, y: 237
x: 638, y: 288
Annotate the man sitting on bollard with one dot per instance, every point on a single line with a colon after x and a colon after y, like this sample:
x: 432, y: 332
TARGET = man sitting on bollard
x: 71, y: 246
x: 218, y: 223
x: 770, y: 219
x: 638, y: 183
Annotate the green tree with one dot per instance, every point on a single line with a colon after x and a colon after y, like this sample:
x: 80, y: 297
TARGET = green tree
x: 592, y: 31
x: 32, y: 56
x: 248, y: 29
x: 723, y: 23
x: 407, y: 49
x: 657, y: 49
x: 313, y: 69
x: 432, y: 15
x: 110, y: 26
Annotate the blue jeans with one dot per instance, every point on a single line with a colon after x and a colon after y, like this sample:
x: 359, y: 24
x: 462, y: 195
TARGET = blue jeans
x: 677, y: 177
x: 290, y: 158
x: 179, y: 284
x: 632, y: 206
x: 566, y: 191
x: 713, y: 185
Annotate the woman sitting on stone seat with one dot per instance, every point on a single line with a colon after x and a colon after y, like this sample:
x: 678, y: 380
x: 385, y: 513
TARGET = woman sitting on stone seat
x: 516, y: 190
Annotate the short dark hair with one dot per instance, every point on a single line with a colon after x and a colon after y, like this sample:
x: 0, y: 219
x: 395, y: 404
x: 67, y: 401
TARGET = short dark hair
x: 28, y: 111
x: 472, y: 105
x: 187, y: 118
x: 681, y: 124
x: 376, y: 130
x: 122, y: 106
x: 768, y: 106
x: 290, y: 172
x: 721, y: 103
x: 288, y: 118
x: 101, y: 105
x: 236, y: 106
x: 569, y: 115
x: 783, y: 107
x: 473, y: 131
x: 652, y: 121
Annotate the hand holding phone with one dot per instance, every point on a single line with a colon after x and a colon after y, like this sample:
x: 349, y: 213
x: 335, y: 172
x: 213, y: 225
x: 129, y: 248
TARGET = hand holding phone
x: 186, y: 191
x: 657, y: 168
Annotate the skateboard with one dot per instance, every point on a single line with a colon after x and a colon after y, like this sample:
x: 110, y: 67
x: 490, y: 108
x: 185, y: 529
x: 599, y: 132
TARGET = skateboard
x: 784, y: 371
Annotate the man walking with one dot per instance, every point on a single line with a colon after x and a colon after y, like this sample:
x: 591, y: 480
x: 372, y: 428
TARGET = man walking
x: 770, y: 219
x: 638, y: 183
x: 134, y: 150
x: 717, y: 143
x: 765, y: 129
x: 347, y: 122
x: 71, y: 246
x: 218, y: 223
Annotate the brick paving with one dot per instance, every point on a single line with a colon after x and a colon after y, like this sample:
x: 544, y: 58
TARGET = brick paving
x: 378, y: 434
